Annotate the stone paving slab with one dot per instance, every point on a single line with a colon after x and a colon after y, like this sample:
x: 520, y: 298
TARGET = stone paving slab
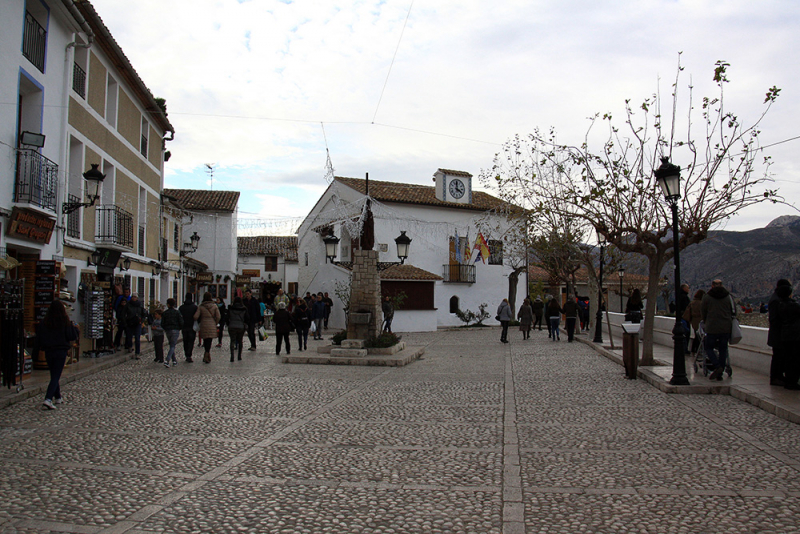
x: 474, y: 437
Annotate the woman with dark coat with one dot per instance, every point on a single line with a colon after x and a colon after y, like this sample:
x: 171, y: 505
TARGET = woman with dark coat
x: 538, y: 312
x: 237, y: 324
x: 633, y: 310
x: 302, y: 322
x: 525, y: 317
x: 208, y: 315
x: 55, y: 335
x: 788, y: 334
x: 223, y: 319
x: 283, y: 327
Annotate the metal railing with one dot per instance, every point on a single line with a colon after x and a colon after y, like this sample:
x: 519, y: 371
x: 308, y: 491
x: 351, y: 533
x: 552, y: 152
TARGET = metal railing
x: 458, y: 273
x: 114, y: 227
x: 37, y: 179
x: 34, y: 42
x: 79, y: 80
x: 141, y: 241
x: 74, y: 218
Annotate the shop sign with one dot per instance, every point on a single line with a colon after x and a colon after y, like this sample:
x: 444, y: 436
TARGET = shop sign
x: 241, y: 279
x: 30, y: 225
x: 205, y: 278
x: 252, y: 273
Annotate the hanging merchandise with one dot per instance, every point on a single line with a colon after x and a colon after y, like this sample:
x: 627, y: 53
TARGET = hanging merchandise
x: 13, y: 360
x: 94, y: 309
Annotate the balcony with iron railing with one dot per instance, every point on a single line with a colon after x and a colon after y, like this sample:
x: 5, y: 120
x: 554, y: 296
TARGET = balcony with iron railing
x: 114, y: 228
x: 457, y: 273
x: 79, y: 80
x: 34, y: 42
x: 74, y: 218
x: 37, y: 180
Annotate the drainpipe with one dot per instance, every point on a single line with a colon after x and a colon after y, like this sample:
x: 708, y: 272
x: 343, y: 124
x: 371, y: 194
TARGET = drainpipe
x: 69, y: 57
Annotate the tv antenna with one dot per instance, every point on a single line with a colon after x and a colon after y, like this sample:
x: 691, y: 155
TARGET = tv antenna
x: 210, y: 171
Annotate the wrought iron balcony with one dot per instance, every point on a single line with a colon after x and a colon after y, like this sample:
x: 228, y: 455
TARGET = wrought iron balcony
x: 79, y: 80
x: 459, y: 274
x: 34, y: 42
x: 114, y: 227
x: 74, y: 218
x: 37, y: 180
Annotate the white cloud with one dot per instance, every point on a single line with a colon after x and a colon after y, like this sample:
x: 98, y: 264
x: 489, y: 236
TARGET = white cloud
x: 467, y: 69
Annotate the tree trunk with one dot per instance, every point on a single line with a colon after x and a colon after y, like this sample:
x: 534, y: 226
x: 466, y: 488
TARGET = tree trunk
x: 655, y: 267
x: 513, y: 279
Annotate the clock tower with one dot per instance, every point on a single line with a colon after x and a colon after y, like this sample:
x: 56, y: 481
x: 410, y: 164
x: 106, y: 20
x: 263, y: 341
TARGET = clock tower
x: 453, y: 186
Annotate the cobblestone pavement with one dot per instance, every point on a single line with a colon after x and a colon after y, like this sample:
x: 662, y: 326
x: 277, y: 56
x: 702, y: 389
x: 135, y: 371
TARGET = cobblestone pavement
x: 477, y: 437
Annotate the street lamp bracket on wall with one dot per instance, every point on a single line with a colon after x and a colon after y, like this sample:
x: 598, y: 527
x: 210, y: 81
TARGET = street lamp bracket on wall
x: 93, y: 176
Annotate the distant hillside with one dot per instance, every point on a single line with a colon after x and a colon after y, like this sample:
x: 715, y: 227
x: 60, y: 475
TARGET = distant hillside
x: 749, y: 263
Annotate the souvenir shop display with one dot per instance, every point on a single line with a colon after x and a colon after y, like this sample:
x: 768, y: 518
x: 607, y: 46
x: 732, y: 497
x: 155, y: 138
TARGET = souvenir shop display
x: 14, y: 362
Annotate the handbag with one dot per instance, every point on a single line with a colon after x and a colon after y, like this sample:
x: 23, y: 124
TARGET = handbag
x: 496, y: 317
x: 196, y: 326
x: 736, y: 332
x: 262, y: 333
x: 313, y: 327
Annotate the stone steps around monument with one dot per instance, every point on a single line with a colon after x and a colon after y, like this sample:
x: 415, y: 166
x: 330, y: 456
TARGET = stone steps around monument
x: 401, y: 356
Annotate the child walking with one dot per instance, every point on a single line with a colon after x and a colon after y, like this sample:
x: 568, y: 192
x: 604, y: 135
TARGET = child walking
x: 158, y: 336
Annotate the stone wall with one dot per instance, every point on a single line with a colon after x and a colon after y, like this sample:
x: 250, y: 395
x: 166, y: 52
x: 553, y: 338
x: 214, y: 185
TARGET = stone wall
x: 365, y: 295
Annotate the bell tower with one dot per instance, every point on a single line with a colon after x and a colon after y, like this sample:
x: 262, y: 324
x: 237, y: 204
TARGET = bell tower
x: 453, y: 186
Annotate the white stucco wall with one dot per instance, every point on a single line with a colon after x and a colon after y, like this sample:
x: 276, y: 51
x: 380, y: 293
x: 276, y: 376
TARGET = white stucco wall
x: 430, y: 228
x: 217, y: 247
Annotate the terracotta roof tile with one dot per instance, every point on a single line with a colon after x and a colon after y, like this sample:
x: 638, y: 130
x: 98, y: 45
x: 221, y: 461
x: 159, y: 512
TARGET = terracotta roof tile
x: 538, y: 274
x: 204, y: 200
x: 408, y: 272
x: 418, y: 194
x: 455, y: 173
x: 285, y: 246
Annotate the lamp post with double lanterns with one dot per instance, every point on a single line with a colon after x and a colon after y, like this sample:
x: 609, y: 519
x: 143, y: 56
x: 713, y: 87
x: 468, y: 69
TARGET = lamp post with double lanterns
x: 598, y: 327
x: 403, y: 243
x: 669, y: 178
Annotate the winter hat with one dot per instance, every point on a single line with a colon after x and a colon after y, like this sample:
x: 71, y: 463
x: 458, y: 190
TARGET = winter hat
x: 135, y: 295
x: 281, y: 305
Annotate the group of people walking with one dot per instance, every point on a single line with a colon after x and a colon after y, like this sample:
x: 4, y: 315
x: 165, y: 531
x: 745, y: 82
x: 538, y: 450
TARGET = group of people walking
x: 533, y: 312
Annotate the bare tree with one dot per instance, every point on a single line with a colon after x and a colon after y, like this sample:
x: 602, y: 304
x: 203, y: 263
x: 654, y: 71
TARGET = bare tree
x: 613, y: 187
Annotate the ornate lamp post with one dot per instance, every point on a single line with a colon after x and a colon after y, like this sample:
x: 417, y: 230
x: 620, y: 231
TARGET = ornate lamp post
x: 669, y: 178
x: 598, y: 327
x: 621, y: 273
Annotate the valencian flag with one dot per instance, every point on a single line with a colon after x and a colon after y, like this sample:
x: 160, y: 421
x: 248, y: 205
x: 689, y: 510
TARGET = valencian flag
x: 483, y: 248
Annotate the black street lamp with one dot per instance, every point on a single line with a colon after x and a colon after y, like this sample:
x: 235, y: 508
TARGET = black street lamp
x: 598, y: 327
x: 403, y: 242
x: 669, y: 178
x: 621, y: 272
x: 331, y: 242
x: 93, y: 176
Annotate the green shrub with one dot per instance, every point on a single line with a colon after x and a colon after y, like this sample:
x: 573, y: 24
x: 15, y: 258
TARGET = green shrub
x: 382, y: 341
x: 337, y: 338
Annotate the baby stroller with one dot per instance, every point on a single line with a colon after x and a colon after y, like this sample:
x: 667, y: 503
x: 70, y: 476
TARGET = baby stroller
x: 701, y: 360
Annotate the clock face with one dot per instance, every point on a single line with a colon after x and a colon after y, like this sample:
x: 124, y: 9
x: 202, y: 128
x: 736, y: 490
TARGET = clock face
x: 457, y: 188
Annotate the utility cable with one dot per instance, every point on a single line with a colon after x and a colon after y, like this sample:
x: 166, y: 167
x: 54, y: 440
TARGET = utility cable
x: 392, y: 63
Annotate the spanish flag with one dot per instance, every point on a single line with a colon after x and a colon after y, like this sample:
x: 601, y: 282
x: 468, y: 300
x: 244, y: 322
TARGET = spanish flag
x: 483, y: 248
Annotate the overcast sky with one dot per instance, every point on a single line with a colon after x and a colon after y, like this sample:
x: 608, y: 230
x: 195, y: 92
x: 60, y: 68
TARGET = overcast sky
x: 250, y: 84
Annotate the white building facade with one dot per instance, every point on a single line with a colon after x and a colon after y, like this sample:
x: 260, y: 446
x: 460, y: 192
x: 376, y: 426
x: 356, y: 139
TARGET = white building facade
x: 443, y: 222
